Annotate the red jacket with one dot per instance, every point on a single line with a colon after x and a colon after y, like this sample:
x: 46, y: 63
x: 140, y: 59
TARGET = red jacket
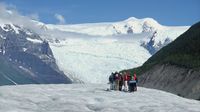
x: 135, y: 77
x: 129, y: 76
x: 126, y: 77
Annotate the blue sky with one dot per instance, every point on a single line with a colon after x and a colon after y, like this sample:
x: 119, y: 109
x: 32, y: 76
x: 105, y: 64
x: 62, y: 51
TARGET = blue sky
x: 166, y: 12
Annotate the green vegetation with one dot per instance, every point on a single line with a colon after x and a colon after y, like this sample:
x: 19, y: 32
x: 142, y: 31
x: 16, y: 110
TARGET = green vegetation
x: 183, y: 52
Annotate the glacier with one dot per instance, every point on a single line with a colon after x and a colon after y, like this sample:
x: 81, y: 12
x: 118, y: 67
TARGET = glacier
x: 90, y: 98
x: 90, y: 52
x: 92, y: 60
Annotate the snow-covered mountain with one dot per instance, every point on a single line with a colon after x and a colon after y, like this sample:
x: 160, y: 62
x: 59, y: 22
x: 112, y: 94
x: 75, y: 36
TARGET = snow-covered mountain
x: 158, y: 35
x: 90, y: 98
x: 25, y: 58
x: 130, y: 25
x: 90, y: 52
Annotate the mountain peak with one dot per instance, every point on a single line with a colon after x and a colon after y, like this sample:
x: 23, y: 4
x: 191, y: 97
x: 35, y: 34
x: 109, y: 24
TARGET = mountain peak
x: 145, y: 22
x: 150, y: 21
x: 131, y: 19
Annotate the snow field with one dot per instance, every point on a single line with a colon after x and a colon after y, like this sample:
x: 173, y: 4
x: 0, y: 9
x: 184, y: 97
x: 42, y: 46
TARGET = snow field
x: 89, y: 98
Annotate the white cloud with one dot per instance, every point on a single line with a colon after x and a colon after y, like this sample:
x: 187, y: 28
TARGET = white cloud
x: 60, y: 18
x: 9, y: 14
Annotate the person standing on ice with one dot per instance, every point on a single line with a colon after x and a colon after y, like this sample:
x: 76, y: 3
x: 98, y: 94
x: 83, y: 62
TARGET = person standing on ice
x: 116, y: 81
x: 120, y: 81
x: 129, y: 78
x: 132, y: 83
x: 125, y: 81
x: 111, y: 81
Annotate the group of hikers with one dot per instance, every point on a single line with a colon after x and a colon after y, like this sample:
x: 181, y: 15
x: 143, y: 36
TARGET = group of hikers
x: 123, y: 81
